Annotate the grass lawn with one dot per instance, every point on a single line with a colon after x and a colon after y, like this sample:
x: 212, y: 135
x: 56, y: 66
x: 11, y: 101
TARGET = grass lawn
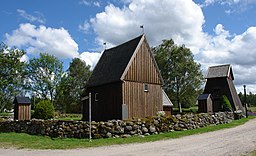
x: 252, y: 109
x: 69, y: 117
x: 253, y: 153
x: 21, y: 140
x: 5, y: 114
x: 186, y: 110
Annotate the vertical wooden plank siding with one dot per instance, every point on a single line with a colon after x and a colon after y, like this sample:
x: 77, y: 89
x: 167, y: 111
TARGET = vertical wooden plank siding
x: 141, y: 103
x: 24, y: 112
x: 109, y: 103
x: 143, y: 68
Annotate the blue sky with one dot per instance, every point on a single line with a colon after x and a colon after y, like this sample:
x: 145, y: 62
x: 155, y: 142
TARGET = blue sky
x: 216, y: 31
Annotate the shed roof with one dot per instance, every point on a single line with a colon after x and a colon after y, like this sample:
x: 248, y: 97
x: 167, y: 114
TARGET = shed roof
x: 166, y: 100
x: 22, y: 100
x: 113, y: 63
x: 220, y: 71
x: 203, y: 96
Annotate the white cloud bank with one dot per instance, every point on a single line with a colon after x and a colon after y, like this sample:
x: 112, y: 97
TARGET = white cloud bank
x: 57, y: 42
x: 42, y: 39
x: 183, y: 21
x: 178, y: 19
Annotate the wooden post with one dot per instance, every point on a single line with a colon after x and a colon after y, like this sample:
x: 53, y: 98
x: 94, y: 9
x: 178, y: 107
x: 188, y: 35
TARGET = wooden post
x: 90, y: 116
x: 245, y: 104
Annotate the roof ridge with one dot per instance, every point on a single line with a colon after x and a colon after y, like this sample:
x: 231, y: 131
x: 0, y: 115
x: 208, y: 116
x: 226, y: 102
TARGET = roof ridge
x: 113, y: 63
x: 220, y: 65
x: 126, y: 42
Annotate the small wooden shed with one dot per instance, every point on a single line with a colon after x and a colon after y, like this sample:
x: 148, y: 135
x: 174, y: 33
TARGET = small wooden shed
x: 205, y: 103
x: 22, y: 108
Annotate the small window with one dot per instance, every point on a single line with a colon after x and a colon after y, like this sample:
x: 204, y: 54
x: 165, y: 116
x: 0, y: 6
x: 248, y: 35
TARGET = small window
x: 96, y: 98
x: 146, y: 87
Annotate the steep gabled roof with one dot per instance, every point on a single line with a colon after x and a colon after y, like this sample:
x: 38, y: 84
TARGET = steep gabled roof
x: 220, y: 71
x: 113, y: 63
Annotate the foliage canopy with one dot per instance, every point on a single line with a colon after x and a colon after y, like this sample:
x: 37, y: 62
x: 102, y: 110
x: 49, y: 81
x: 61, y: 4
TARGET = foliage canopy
x: 44, y: 74
x: 12, y: 75
x: 72, y: 87
x: 182, y: 75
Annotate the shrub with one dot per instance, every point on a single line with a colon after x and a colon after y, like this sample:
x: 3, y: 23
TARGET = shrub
x: 44, y: 110
x: 226, y: 106
x: 160, y: 113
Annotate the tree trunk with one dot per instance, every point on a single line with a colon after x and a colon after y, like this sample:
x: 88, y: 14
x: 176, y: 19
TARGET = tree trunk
x: 178, y: 95
x: 179, y: 104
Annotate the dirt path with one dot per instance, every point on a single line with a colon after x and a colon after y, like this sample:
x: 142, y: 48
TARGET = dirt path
x: 234, y: 141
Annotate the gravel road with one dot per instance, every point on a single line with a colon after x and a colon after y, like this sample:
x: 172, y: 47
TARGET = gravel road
x: 234, y: 141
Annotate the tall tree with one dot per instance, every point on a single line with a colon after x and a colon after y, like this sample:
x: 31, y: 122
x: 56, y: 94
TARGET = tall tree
x: 12, y: 75
x: 182, y: 75
x: 72, y: 86
x: 44, y: 75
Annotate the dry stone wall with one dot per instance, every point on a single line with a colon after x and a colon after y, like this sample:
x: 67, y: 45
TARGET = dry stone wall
x: 116, y: 128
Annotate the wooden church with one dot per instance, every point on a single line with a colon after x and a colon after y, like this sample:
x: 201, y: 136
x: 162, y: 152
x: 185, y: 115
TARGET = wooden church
x: 125, y: 83
x: 220, y: 82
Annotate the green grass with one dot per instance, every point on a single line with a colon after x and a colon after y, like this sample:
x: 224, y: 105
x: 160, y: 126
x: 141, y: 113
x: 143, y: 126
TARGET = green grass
x: 5, y: 114
x: 68, y: 117
x: 253, y: 153
x: 252, y: 109
x: 186, y: 110
x: 21, y: 140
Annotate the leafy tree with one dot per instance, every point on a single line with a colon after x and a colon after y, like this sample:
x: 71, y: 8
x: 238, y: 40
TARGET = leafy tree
x: 182, y: 75
x: 12, y: 75
x: 250, y: 98
x: 72, y: 86
x: 44, y: 75
x: 225, y: 104
x: 44, y: 110
x: 63, y: 94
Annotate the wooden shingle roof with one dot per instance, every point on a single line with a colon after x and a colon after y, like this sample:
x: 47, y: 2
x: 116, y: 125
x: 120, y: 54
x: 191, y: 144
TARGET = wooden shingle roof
x: 203, y: 96
x: 113, y: 63
x: 22, y: 100
x: 220, y: 71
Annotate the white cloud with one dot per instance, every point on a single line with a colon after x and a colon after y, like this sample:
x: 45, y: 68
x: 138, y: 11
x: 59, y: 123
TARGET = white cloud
x: 226, y: 2
x: 84, y: 2
x: 231, y: 6
x: 96, y: 4
x: 39, y: 18
x: 181, y: 20
x: 84, y: 27
x: 90, y: 3
x: 24, y: 58
x: 43, y: 39
x: 57, y: 42
x: 239, y: 51
x: 90, y: 58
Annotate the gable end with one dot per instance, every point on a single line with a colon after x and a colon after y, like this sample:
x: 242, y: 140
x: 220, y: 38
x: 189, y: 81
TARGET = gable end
x: 142, y: 66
